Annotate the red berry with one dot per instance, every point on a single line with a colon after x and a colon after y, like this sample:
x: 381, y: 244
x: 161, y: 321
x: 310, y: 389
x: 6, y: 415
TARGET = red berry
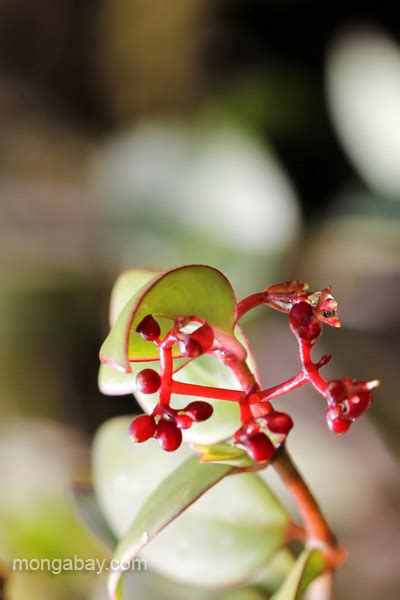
x: 183, y: 421
x: 336, y: 422
x: 149, y: 329
x: 260, y: 447
x: 142, y: 428
x: 304, y: 323
x: 204, y: 335
x: 148, y: 381
x: 279, y: 422
x: 199, y: 410
x: 247, y: 430
x: 168, y: 435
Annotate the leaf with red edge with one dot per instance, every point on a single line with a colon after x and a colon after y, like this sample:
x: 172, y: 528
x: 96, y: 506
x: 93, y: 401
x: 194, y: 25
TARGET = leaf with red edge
x: 193, y: 290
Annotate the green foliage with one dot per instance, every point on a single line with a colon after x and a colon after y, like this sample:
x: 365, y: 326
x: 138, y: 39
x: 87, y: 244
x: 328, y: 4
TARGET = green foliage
x: 222, y: 539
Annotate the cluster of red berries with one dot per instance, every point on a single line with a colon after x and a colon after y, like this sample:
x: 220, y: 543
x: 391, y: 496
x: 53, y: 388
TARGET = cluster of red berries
x: 166, y: 423
x: 347, y: 400
x: 252, y: 434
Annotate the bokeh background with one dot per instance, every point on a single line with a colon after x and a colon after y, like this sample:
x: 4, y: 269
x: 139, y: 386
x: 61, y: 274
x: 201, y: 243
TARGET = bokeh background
x: 260, y: 137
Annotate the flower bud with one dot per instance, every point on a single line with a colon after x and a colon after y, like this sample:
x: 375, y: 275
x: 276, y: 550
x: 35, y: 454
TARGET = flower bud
x: 149, y: 329
x: 303, y: 322
x: 336, y: 421
x: 326, y: 310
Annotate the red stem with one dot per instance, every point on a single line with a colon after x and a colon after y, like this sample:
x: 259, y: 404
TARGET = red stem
x: 284, y: 388
x: 317, y: 529
x: 166, y: 364
x: 311, y: 369
x: 203, y: 391
x: 249, y: 303
x: 256, y: 397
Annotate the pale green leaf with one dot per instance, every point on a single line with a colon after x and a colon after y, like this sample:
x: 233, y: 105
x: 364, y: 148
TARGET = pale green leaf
x: 174, y: 495
x: 308, y: 566
x: 90, y: 514
x: 223, y: 453
x: 222, y: 539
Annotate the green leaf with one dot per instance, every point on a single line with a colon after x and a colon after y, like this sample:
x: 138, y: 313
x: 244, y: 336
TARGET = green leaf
x: 223, y: 453
x: 205, y: 370
x: 308, y: 566
x: 175, y: 494
x: 187, y: 291
x: 245, y: 593
x: 151, y: 586
x: 274, y: 574
x: 220, y: 540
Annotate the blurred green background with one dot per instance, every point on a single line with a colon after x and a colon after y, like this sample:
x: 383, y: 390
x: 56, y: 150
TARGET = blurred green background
x: 260, y: 137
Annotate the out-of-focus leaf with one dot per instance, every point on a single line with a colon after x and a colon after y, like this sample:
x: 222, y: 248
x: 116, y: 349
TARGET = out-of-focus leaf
x: 275, y: 572
x: 174, y: 495
x: 308, y: 566
x: 191, y: 290
x: 152, y: 586
x: 153, y: 179
x: 245, y: 593
x: 222, y: 539
x: 363, y: 84
x: 90, y: 514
